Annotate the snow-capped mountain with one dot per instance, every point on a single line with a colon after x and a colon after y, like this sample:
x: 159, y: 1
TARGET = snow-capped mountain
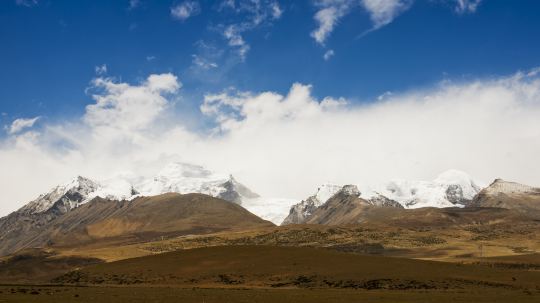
x: 509, y: 195
x: 344, y: 207
x: 299, y: 212
x: 450, y: 189
x: 500, y: 186
x: 306, y: 210
x: 176, y: 177
x: 188, y: 178
x: 80, y: 190
x: 66, y: 196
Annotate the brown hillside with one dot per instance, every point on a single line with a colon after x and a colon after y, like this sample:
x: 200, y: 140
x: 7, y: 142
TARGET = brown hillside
x: 147, y: 218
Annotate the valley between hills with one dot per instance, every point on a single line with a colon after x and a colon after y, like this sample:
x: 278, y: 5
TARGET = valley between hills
x: 335, y: 246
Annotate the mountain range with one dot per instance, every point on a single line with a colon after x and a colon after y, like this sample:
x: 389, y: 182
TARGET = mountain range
x: 450, y: 189
x: 189, y: 229
x: 85, y: 210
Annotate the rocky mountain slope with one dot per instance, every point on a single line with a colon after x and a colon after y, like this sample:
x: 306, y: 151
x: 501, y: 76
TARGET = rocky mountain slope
x: 509, y: 195
x: 345, y: 207
x: 301, y: 211
x: 450, y: 189
x: 18, y: 226
x: 24, y: 223
x: 140, y: 219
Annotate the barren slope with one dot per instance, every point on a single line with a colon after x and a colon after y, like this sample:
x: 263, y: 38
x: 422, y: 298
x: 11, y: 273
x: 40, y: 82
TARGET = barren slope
x: 110, y: 223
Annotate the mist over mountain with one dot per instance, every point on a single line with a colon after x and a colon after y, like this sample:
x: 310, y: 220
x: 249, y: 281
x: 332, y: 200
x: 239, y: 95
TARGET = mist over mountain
x: 284, y: 145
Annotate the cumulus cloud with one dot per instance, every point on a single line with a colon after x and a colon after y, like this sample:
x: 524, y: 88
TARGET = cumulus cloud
x: 21, y: 124
x: 185, y: 10
x: 286, y: 145
x: 123, y: 106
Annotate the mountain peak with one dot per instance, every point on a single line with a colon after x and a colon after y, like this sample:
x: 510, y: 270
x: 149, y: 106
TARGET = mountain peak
x: 499, y: 186
x: 350, y: 190
x: 65, y: 196
x: 180, y: 177
x: 325, y: 192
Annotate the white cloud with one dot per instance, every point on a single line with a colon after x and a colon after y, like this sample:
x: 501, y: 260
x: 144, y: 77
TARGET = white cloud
x: 101, y: 69
x: 328, y: 54
x: 382, y: 12
x: 467, y: 6
x: 255, y: 13
x: 185, y: 10
x: 21, y: 124
x: 127, y: 107
x: 233, y: 35
x: 277, y: 11
x: 327, y: 17
x: 286, y: 145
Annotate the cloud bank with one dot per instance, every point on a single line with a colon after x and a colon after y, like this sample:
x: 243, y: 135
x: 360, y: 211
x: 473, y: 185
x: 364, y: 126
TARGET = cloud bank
x: 285, y: 145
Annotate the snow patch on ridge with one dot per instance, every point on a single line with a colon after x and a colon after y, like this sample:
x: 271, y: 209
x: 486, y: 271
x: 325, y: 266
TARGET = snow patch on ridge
x: 176, y: 177
x: 450, y: 189
x: 325, y: 192
x: 184, y: 178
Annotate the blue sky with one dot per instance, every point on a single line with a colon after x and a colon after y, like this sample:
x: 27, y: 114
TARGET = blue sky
x: 285, y: 95
x: 50, y: 49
